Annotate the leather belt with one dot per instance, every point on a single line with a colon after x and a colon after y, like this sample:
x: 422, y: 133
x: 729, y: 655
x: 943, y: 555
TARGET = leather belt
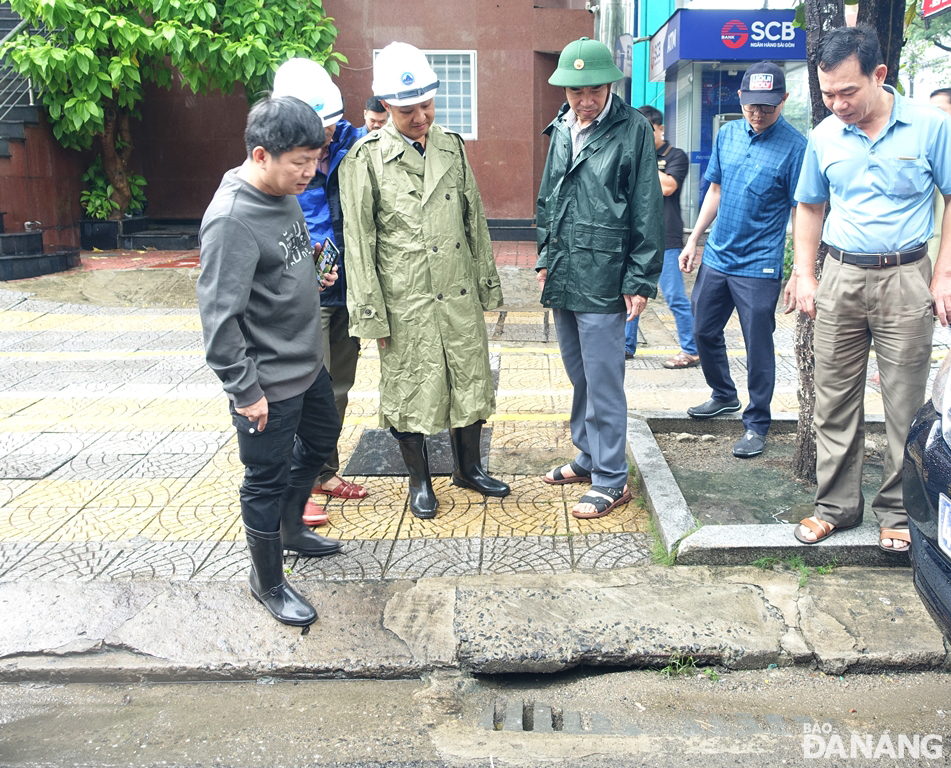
x: 878, y: 260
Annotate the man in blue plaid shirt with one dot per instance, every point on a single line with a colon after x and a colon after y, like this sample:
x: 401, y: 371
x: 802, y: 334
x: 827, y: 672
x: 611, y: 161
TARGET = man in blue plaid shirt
x: 753, y: 171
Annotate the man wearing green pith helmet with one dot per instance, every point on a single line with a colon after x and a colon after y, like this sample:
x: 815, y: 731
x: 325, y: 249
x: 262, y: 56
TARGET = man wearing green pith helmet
x: 600, y: 221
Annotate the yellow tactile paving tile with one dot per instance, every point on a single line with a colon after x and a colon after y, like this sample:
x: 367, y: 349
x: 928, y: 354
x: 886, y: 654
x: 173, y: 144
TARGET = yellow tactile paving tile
x: 207, y: 490
x: 53, y: 491
x: 97, y: 524
x: 33, y: 523
x: 532, y: 509
x: 11, y: 405
x: 377, y: 516
x: 196, y: 523
x: 137, y: 492
x: 524, y: 404
x: 11, y: 489
x: 36, y: 321
x: 461, y: 515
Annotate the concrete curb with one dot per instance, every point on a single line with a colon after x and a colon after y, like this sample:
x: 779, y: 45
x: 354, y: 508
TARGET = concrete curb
x: 740, y: 618
x: 733, y: 544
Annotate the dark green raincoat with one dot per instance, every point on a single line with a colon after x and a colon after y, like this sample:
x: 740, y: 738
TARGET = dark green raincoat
x: 600, y: 215
x: 420, y: 273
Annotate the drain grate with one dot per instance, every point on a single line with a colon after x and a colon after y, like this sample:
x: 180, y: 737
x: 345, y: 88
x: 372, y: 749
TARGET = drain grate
x: 529, y: 715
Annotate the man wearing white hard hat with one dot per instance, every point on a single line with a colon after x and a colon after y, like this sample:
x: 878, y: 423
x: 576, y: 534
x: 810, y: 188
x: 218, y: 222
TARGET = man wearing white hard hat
x: 421, y: 274
x: 308, y: 81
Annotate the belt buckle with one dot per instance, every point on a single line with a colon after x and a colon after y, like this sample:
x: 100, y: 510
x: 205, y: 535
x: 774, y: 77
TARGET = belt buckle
x: 869, y: 259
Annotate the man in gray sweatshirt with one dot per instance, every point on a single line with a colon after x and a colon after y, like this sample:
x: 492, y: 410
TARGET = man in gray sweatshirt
x: 258, y: 296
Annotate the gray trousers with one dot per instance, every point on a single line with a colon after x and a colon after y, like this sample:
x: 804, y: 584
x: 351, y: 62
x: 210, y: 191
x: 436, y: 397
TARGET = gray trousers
x: 341, y: 353
x: 854, y: 307
x: 592, y: 349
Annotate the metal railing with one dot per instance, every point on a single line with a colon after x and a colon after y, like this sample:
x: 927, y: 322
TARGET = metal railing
x: 15, y: 90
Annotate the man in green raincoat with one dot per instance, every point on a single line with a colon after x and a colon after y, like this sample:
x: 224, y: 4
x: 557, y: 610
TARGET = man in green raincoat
x: 600, y: 222
x: 420, y: 273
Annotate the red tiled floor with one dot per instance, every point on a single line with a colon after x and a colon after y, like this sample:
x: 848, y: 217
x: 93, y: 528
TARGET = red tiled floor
x: 511, y: 253
x: 507, y: 254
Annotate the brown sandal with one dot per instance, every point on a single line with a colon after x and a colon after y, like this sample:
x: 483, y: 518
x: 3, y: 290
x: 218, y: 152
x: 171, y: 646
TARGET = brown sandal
x: 821, y: 528
x: 682, y: 360
x: 895, y: 534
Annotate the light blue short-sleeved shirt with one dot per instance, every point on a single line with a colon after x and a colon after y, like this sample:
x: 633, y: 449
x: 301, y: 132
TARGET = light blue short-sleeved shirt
x: 757, y: 174
x: 880, y: 191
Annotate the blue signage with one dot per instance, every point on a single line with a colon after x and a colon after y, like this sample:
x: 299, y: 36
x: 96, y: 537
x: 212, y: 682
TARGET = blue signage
x: 726, y: 36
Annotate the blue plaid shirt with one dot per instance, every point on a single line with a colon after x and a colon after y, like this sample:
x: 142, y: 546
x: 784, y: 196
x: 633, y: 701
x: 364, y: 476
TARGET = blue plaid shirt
x: 757, y: 174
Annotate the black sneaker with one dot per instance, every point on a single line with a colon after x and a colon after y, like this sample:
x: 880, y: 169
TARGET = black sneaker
x: 713, y: 408
x: 751, y: 444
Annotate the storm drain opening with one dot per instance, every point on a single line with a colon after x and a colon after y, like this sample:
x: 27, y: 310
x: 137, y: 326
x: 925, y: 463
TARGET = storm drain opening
x: 531, y: 716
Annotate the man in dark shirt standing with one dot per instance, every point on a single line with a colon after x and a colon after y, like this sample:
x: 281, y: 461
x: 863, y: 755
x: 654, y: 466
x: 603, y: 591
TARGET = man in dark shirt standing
x: 258, y: 296
x: 672, y: 165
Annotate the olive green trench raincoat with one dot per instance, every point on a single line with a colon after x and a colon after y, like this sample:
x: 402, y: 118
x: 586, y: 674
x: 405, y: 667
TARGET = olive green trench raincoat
x: 420, y: 273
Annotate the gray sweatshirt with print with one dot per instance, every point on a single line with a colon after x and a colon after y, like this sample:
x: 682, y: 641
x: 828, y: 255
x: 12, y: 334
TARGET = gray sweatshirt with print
x: 258, y: 294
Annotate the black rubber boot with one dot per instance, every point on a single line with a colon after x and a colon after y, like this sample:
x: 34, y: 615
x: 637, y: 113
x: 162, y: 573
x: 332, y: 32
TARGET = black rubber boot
x: 268, y: 585
x: 296, y: 536
x: 422, y: 497
x: 467, y: 455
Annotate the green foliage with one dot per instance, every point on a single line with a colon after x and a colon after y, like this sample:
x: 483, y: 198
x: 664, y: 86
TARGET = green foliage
x: 679, y: 666
x: 788, y: 258
x: 100, y: 53
x: 96, y: 199
x: 91, y: 59
x: 796, y: 563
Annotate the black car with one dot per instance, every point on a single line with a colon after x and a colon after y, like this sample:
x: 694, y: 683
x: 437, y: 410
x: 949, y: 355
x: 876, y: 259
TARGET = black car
x: 926, y: 484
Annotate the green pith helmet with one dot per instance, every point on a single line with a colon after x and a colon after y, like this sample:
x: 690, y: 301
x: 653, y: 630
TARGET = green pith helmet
x: 585, y: 62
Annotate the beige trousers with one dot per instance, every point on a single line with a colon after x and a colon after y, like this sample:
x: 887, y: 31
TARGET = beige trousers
x: 854, y: 307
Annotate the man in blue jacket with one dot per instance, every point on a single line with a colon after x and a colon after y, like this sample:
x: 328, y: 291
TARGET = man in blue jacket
x: 308, y: 81
x: 600, y: 251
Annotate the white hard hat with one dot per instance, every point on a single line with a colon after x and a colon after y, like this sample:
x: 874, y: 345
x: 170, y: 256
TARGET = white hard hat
x: 402, y: 76
x: 308, y: 81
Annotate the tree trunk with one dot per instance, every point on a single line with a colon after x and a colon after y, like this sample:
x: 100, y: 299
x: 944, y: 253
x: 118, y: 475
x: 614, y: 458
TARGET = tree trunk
x: 115, y: 161
x: 888, y: 19
x: 821, y: 16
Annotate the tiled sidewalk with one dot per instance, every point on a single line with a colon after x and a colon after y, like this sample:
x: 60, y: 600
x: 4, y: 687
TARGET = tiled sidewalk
x: 118, y: 458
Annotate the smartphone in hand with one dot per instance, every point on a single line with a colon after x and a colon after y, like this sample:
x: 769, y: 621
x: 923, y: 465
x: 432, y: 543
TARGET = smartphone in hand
x: 326, y: 259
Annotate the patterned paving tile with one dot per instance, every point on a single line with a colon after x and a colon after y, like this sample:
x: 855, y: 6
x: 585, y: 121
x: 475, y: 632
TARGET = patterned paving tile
x: 194, y: 442
x: 227, y: 561
x: 141, y: 559
x: 170, y: 465
x: 359, y: 561
x: 195, y: 523
x: 71, y: 492
x: 10, y: 489
x: 605, y: 552
x: 57, y: 561
x: 137, y: 492
x: 532, y: 509
x: 26, y: 466
x: 532, y: 554
x: 93, y: 465
x: 11, y: 553
x: 378, y: 516
x: 209, y: 490
x: 418, y: 558
x: 461, y: 514
x: 110, y: 523
x: 22, y: 522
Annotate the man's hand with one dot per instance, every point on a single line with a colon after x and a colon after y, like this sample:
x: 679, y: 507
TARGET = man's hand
x: 635, y: 305
x: 540, y: 277
x: 941, y: 293
x: 806, y: 285
x: 688, y: 258
x: 329, y: 279
x: 789, y: 295
x: 382, y: 343
x: 256, y: 412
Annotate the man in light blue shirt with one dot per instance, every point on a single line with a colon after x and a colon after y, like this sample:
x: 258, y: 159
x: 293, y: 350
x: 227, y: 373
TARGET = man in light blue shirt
x: 876, y: 161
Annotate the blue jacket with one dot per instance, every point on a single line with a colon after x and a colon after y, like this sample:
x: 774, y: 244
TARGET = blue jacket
x: 321, y: 205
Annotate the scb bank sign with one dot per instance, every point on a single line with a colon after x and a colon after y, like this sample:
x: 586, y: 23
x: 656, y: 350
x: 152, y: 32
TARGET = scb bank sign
x: 726, y: 36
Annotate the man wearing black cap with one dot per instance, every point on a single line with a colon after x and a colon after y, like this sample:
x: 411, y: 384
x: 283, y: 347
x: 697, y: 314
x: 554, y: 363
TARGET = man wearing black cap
x: 752, y: 173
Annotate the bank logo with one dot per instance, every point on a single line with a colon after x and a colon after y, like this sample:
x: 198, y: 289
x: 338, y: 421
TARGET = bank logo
x: 734, y: 34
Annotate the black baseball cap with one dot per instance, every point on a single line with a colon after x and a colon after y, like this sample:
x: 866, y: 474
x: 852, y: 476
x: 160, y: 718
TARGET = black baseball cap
x: 763, y: 83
